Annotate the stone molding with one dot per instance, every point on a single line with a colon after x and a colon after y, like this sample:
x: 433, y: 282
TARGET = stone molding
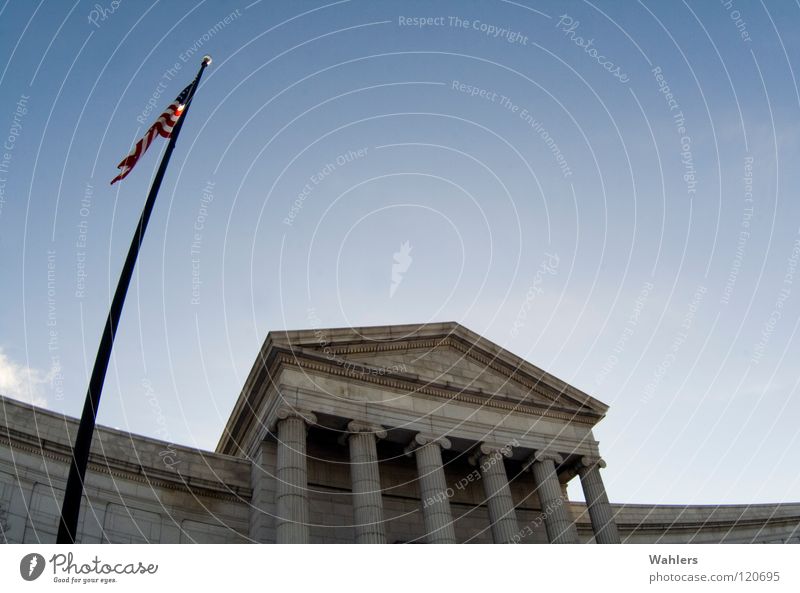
x: 128, y: 471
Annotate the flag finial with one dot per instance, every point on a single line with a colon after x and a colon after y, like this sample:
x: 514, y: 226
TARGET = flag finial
x: 207, y: 60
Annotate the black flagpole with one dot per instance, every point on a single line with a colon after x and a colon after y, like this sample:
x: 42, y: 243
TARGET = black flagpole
x: 68, y: 524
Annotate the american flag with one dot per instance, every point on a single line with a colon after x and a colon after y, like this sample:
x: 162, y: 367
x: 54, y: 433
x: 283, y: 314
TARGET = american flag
x: 162, y: 127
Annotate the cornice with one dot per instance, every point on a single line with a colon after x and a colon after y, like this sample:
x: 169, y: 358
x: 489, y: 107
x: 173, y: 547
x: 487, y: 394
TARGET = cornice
x: 118, y: 468
x: 632, y: 527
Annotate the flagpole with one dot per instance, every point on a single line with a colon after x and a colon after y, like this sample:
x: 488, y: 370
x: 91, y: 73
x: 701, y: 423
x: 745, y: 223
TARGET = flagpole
x: 70, y: 509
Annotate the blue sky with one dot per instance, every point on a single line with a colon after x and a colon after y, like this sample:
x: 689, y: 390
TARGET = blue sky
x: 553, y: 199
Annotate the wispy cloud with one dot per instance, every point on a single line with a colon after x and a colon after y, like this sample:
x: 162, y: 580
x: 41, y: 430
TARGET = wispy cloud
x: 21, y: 382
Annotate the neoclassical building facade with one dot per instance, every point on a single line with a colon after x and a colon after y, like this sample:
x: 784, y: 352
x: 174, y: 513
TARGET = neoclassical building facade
x: 398, y: 434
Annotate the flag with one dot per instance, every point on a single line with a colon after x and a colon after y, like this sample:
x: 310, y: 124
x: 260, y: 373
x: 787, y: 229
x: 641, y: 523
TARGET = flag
x: 162, y: 127
x: 168, y: 125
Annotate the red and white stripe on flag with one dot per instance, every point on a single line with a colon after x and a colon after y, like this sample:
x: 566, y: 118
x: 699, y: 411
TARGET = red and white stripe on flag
x: 163, y: 126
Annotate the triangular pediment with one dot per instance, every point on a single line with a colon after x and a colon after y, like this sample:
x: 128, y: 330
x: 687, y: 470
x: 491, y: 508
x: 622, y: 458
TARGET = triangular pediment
x: 444, y: 355
x: 444, y: 364
x: 434, y: 360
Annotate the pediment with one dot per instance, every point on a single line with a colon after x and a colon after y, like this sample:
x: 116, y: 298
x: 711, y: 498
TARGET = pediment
x: 444, y: 364
x: 440, y: 361
x: 446, y: 356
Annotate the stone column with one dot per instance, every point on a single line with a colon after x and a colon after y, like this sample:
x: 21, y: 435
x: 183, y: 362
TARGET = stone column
x: 502, y: 516
x: 366, y: 482
x: 263, y: 483
x: 434, y: 492
x: 291, y: 497
x: 600, y: 513
x: 557, y: 520
x: 564, y: 491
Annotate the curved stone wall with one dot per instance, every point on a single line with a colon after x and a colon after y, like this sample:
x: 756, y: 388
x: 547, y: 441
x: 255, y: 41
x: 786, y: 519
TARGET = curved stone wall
x: 145, y: 490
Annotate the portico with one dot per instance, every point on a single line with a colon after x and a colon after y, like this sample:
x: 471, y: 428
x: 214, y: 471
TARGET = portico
x: 419, y: 419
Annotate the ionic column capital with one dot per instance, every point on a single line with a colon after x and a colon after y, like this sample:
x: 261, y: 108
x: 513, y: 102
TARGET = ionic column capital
x: 285, y: 412
x: 356, y: 426
x: 543, y: 455
x: 488, y: 449
x: 360, y: 427
x: 588, y: 462
x: 546, y: 455
x: 420, y: 440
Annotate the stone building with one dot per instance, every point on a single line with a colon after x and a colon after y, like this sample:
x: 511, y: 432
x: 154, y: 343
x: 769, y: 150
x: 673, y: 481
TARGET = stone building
x: 413, y: 433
